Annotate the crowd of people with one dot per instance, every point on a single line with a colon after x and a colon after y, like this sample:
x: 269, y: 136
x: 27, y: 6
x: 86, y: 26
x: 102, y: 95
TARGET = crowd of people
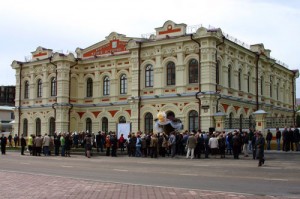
x: 195, y: 144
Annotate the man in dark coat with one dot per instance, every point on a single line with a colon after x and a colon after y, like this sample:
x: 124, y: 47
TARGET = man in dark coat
x: 3, y: 140
x: 296, y: 138
x: 114, y: 145
x: 269, y: 139
x: 260, y: 145
x: 23, y: 145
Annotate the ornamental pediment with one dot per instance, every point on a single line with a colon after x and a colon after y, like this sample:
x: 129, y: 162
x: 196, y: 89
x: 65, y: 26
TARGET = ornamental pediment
x: 114, y: 43
x: 41, y: 53
x: 170, y: 29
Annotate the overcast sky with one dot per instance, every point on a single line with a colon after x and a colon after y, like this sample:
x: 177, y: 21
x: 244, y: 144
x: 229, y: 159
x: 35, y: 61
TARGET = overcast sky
x: 64, y: 25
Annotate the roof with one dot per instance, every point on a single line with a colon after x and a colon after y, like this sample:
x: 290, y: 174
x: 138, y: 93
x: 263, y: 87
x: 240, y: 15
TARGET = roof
x: 7, y: 108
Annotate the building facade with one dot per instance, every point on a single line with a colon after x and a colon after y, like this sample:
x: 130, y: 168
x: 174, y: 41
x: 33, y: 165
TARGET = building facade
x: 207, y: 80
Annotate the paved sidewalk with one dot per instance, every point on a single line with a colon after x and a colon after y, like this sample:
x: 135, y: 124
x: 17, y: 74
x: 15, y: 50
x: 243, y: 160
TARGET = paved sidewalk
x: 33, y: 186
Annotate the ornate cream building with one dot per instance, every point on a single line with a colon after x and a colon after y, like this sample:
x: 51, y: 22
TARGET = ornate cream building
x: 207, y: 79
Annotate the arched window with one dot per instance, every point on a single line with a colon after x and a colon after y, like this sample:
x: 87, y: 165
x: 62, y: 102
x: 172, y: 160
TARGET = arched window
x: 248, y: 82
x: 123, y: 84
x: 122, y: 119
x: 39, y: 88
x: 149, y: 76
x: 218, y: 72
x: 53, y: 86
x: 25, y: 127
x: 148, y: 123
x: 193, y: 121
x: 105, y: 124
x: 89, y: 87
x: 88, y: 124
x: 240, y: 79
x: 52, y: 126
x: 261, y: 85
x: 38, y: 126
x: 26, y: 90
x: 106, y: 85
x: 193, y: 71
x: 230, y: 120
x: 171, y: 73
x: 241, y: 121
x: 229, y: 76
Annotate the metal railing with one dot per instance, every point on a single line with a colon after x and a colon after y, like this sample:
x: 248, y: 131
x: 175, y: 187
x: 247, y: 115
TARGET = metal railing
x: 274, y: 122
x: 237, y: 123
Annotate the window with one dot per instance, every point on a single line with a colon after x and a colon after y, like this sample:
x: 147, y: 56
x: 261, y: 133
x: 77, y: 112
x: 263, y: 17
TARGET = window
x: 193, y: 71
x: 52, y: 126
x: 171, y: 73
x: 89, y: 87
x: 53, y: 86
x: 240, y: 79
x: 229, y: 76
x: 25, y: 127
x: 261, y: 85
x: 277, y: 91
x: 12, y: 116
x: 123, y: 84
x: 218, y: 72
x: 248, y: 82
x: 38, y: 126
x: 26, y: 90
x: 122, y: 119
x: 271, y: 88
x: 88, y: 124
x: 39, y: 88
x: 106, y: 85
x: 105, y: 124
x: 148, y: 123
x: 149, y: 76
x: 193, y: 121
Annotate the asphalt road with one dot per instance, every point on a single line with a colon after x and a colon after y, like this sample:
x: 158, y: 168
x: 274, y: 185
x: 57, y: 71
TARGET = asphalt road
x: 280, y: 176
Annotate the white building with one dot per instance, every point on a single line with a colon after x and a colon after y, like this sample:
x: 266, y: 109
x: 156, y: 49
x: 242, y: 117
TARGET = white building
x: 125, y: 79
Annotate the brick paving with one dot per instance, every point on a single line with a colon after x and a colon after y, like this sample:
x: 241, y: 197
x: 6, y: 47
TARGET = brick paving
x: 30, y: 186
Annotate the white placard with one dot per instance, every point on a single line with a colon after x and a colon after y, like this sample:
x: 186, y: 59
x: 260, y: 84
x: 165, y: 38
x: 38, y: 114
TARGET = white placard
x: 123, y: 128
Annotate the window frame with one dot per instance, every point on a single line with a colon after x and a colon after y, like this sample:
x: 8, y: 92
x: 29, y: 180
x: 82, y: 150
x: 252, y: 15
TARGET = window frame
x: 123, y: 84
x: 193, y: 71
x: 53, y: 87
x: 149, y: 76
x: 106, y: 86
x: 89, y: 87
x: 171, y: 74
x: 39, y: 93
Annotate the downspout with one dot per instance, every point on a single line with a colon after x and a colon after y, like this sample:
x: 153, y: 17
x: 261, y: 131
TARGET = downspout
x: 257, y: 59
x: 139, y: 85
x: 293, y: 94
x: 217, y: 63
x: 54, y: 104
x: 20, y: 95
x: 199, y: 81
x: 71, y: 105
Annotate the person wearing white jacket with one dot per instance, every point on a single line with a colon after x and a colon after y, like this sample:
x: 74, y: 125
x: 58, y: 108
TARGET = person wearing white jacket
x: 213, y: 145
